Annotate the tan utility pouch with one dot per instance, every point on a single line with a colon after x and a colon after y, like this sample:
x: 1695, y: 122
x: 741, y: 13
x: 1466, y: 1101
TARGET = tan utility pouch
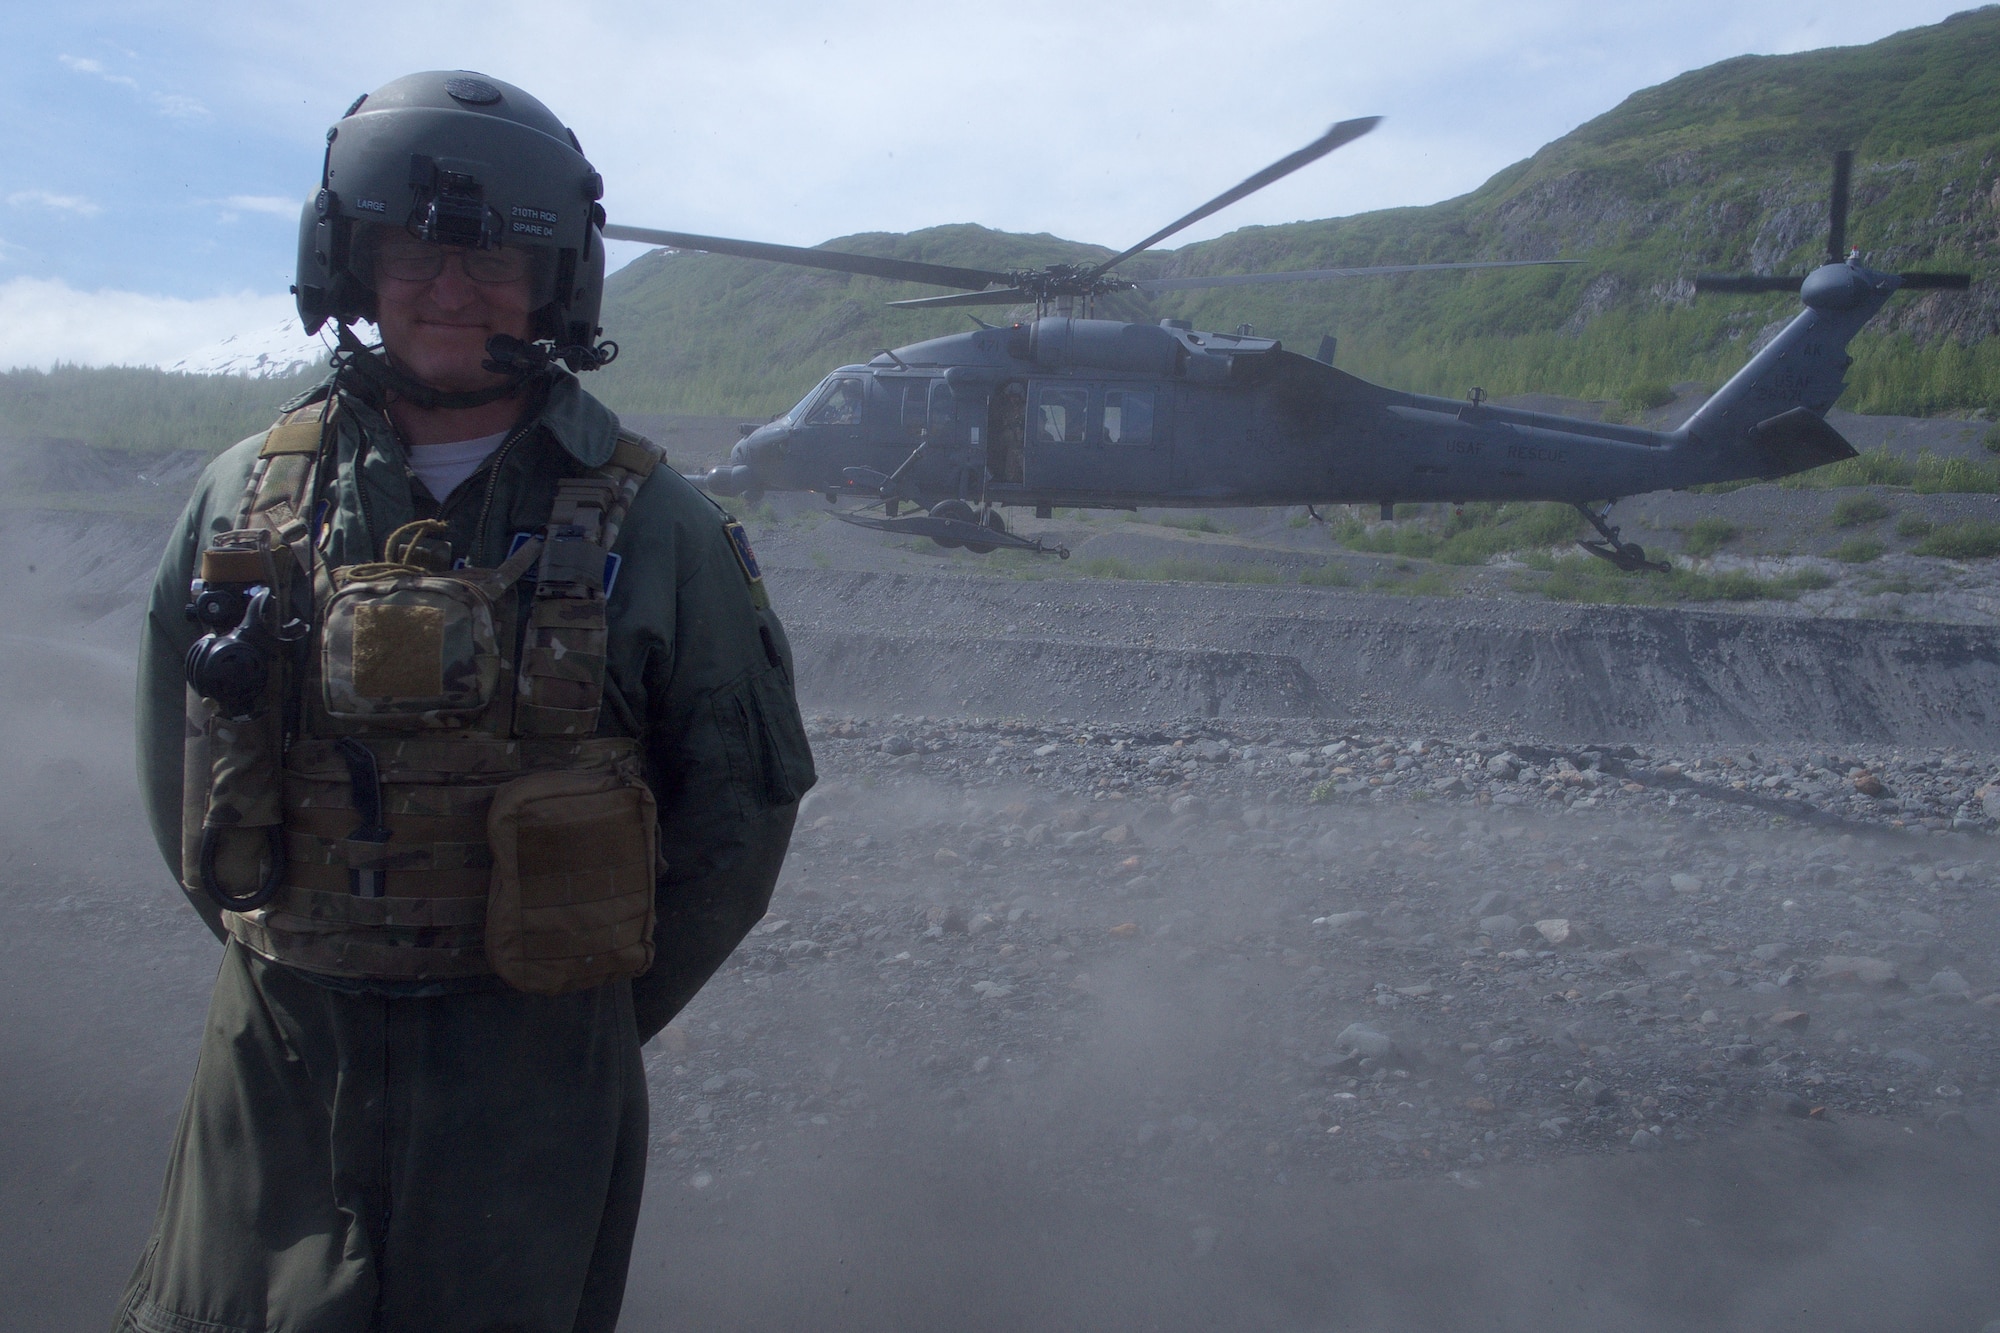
x: 409, y: 650
x: 571, y: 902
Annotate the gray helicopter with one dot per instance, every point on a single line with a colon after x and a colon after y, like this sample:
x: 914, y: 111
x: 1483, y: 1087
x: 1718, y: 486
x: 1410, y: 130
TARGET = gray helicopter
x: 1090, y: 413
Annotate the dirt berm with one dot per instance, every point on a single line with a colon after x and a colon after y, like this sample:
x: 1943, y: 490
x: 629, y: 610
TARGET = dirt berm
x: 1126, y: 650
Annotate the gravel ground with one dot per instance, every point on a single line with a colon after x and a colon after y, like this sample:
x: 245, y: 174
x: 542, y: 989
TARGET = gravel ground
x: 1429, y: 968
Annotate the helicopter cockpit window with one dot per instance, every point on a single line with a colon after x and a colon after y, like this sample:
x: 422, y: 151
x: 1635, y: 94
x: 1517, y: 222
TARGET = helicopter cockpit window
x: 798, y: 411
x: 841, y: 406
x: 943, y: 407
x: 1063, y: 416
x: 1128, y: 416
x: 914, y: 405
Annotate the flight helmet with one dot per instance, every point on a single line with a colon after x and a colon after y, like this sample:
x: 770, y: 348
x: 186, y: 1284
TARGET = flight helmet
x: 458, y: 159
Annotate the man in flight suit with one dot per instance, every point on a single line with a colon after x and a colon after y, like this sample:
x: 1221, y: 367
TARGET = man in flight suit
x: 515, y: 770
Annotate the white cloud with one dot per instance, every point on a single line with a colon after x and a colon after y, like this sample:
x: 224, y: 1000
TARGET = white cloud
x: 275, y: 205
x: 83, y: 65
x: 60, y: 203
x: 176, y: 106
x: 179, y: 107
x: 44, y: 320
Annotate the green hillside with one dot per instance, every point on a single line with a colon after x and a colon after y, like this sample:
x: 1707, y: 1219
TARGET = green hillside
x: 145, y: 410
x: 1723, y: 168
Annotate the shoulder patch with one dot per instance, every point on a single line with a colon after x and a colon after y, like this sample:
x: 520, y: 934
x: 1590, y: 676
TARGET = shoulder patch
x: 739, y: 543
x: 291, y: 437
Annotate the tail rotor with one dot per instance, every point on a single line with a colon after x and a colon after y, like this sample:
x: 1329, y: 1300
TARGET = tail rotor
x: 1836, y: 251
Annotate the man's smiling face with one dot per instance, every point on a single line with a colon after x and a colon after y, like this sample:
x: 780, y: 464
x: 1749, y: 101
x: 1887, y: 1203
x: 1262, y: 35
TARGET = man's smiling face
x: 437, y: 306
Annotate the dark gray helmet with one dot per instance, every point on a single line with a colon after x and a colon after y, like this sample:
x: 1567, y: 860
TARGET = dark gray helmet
x: 458, y: 159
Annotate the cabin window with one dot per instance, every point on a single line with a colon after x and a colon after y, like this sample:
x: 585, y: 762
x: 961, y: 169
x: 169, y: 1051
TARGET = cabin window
x: 1062, y: 416
x: 944, y: 408
x: 841, y: 406
x: 914, y: 404
x: 1128, y: 416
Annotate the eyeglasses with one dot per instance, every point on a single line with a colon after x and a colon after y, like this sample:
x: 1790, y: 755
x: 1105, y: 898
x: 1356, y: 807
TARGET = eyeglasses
x: 407, y: 259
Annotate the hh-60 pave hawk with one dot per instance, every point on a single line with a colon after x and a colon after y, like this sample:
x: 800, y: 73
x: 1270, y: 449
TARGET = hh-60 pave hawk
x: 1092, y: 413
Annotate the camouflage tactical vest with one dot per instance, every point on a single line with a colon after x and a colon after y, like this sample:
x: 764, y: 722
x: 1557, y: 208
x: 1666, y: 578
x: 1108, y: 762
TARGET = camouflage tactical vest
x: 443, y: 804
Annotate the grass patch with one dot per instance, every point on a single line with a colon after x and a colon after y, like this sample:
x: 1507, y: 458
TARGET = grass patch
x: 1586, y: 579
x: 1427, y: 583
x: 1858, y: 551
x: 1646, y: 395
x: 1912, y: 526
x: 1706, y: 536
x: 1327, y: 576
x: 1852, y: 511
x: 1973, y: 540
x: 1177, y: 571
x: 1191, y: 523
x: 1470, y: 537
x: 1926, y: 474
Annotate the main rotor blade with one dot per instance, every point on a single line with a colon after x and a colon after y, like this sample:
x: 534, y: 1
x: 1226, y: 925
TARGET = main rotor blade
x: 1935, y: 282
x: 1004, y: 296
x: 1306, y: 275
x: 1726, y: 282
x: 1836, y: 224
x: 1347, y: 131
x: 901, y: 270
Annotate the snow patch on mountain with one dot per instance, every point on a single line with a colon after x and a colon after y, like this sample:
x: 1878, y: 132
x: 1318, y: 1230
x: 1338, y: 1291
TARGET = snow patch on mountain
x: 264, y: 353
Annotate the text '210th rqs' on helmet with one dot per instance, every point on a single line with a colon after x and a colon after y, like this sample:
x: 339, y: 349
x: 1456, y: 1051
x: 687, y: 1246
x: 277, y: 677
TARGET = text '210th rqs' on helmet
x: 458, y: 159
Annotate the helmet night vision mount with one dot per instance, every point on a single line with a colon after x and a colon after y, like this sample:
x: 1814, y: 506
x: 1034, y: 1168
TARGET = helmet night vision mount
x: 462, y: 160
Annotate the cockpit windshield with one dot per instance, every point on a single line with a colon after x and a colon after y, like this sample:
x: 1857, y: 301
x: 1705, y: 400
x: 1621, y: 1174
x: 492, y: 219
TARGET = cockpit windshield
x: 841, y: 405
x: 798, y: 412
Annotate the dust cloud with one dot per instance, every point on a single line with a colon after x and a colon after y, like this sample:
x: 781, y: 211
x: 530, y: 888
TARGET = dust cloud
x: 1021, y: 1045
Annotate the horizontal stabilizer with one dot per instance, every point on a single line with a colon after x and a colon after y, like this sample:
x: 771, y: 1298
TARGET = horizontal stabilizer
x: 1796, y: 440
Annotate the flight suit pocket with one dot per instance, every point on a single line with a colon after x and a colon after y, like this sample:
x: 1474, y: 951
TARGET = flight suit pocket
x: 770, y: 760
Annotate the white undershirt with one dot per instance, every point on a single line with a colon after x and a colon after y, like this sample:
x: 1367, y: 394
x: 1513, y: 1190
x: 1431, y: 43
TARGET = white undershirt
x: 443, y: 468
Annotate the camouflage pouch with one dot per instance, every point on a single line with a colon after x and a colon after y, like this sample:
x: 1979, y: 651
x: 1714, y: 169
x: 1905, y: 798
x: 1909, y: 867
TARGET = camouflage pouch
x: 409, y: 650
x: 574, y: 862
x: 406, y: 645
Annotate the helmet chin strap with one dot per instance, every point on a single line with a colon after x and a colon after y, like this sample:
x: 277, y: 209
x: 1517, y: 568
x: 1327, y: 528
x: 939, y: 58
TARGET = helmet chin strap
x: 382, y: 375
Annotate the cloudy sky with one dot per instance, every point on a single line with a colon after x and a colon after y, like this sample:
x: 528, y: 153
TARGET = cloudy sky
x: 157, y: 153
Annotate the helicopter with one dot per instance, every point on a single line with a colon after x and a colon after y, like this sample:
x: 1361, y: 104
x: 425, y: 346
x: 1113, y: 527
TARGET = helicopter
x: 1074, y: 411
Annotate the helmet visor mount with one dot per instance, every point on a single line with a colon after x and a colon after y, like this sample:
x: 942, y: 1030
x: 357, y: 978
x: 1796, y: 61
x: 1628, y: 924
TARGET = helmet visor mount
x: 451, y: 206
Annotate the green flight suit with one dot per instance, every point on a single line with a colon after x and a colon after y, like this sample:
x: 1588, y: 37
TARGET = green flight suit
x: 464, y: 1156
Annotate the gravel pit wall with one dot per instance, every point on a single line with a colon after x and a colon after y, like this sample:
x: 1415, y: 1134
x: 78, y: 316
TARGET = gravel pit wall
x: 1137, y: 651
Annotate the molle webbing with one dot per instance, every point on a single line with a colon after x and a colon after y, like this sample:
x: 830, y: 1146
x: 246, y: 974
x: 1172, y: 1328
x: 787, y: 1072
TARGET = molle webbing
x: 429, y: 922
x: 564, y: 650
x: 434, y: 874
x: 278, y: 494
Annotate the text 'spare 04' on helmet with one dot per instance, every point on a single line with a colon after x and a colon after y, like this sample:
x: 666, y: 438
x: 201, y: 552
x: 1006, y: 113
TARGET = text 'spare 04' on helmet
x: 457, y: 159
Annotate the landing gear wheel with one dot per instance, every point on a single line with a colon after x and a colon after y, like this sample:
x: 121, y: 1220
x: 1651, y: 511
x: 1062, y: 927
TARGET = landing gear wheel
x: 958, y: 511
